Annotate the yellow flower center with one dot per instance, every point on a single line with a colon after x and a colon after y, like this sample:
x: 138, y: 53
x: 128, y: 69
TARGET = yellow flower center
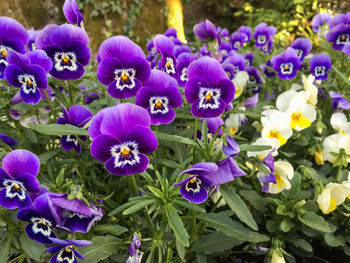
x: 168, y: 64
x: 29, y: 82
x: 319, y: 70
x: 42, y: 221
x: 193, y: 180
x: 65, y: 60
x: 125, y: 77
x: 68, y: 250
x: 158, y: 104
x: 208, y: 96
x: 286, y: 67
x: 343, y: 132
x: 343, y: 38
x: 4, y: 53
x: 276, y: 134
x: 16, y: 187
x: 279, y: 180
x: 298, y: 120
x: 125, y: 152
x: 233, y: 130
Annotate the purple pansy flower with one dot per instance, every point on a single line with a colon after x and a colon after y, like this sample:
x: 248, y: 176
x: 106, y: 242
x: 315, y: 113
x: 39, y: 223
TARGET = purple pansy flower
x: 267, y: 71
x: 229, y: 69
x: 264, y: 178
x: 213, y: 124
x: 248, y: 58
x: 28, y: 72
x: 206, y: 30
x: 32, y: 36
x: 123, y: 67
x: 302, y: 46
x: 67, y: 46
x: 286, y: 64
x: 18, y: 178
x: 181, y: 49
x: 194, y: 188
x: 12, y: 36
x: 232, y: 148
x: 339, y: 35
x: 65, y: 250
x: 225, y: 34
x: 320, y: 19
x: 225, y: 49
x: 72, y: 13
x: 42, y: 219
x: 237, y: 60
x: 339, y: 19
x: 159, y: 96
x: 208, y: 89
x: 183, y: 61
x: 165, y: 47
x: 263, y: 33
x: 338, y: 101
x: 172, y: 34
x: 247, y: 31
x: 254, y: 78
x: 319, y: 65
x: 227, y: 171
x: 267, y: 47
x: 8, y: 139
x: 121, y: 136
x: 135, y: 255
x: 252, y: 101
x: 237, y: 40
x: 78, y: 115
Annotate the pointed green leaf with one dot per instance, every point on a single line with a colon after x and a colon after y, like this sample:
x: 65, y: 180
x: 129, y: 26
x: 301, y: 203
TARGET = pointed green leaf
x: 138, y: 206
x: 315, y: 221
x: 177, y: 225
x: 58, y: 129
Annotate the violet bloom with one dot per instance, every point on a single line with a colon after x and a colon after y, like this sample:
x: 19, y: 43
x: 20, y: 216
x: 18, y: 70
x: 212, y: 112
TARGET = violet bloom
x: 66, y: 252
x: 264, y: 178
x: 7, y: 139
x: 302, y: 46
x: 263, y: 33
x: 267, y: 71
x: 338, y: 101
x: 123, y: 67
x: 286, y: 64
x: 12, y: 36
x: 247, y: 31
x: 320, y: 19
x: 74, y: 214
x: 339, y: 19
x: 208, y: 89
x: 206, y: 30
x: 319, y: 65
x: 249, y: 59
x: 183, y: 61
x: 78, y: 115
x: 28, y: 72
x: 237, y: 60
x: 346, y: 49
x: 121, y: 136
x: 232, y: 148
x: 213, y: 124
x: 252, y: 101
x: 267, y: 47
x: 229, y: 69
x: 172, y: 34
x: 254, y: 78
x: 135, y: 255
x: 225, y: 34
x: 32, y: 36
x: 225, y: 49
x: 227, y: 171
x: 165, y: 48
x: 42, y: 219
x: 237, y: 40
x: 194, y: 188
x: 72, y: 13
x: 67, y: 46
x: 159, y: 96
x: 181, y: 49
x: 339, y: 34
x: 18, y: 178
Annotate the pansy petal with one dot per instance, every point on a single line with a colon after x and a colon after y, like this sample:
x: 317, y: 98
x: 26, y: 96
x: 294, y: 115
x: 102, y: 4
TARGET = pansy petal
x: 29, y: 181
x: 200, y: 112
x: 127, y: 169
x: 194, y: 197
x: 32, y: 233
x: 144, y: 137
x: 101, y: 147
x: 79, y: 115
x: 13, y: 202
x: 162, y: 118
x: 21, y: 161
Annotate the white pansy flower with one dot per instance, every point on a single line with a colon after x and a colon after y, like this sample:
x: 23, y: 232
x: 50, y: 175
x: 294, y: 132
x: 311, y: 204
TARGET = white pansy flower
x: 332, y: 196
x: 308, y: 83
x: 333, y: 144
x: 234, y: 121
x: 284, y: 172
x: 340, y: 123
x: 273, y: 142
x: 240, y: 81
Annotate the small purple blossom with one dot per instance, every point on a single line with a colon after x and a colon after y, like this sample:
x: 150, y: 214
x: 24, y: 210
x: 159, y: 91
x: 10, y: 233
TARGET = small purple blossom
x: 121, y: 136
x: 252, y: 101
x: 249, y: 59
x: 339, y: 35
x: 135, y: 255
x: 206, y: 30
x: 264, y: 178
x: 165, y: 47
x: 231, y: 149
x: 237, y: 60
x: 338, y: 101
x: 319, y: 65
x: 159, y: 96
x: 78, y: 115
x: 122, y: 67
x: 302, y: 46
x: 172, y: 34
x: 254, y: 78
x: 320, y: 19
x: 183, y: 61
x: 32, y: 36
x: 66, y: 252
x: 18, y: 179
x: 263, y: 33
x: 72, y: 13
x: 208, y: 89
x: 213, y: 124
x: 237, y: 40
x: 286, y: 64
x: 247, y: 31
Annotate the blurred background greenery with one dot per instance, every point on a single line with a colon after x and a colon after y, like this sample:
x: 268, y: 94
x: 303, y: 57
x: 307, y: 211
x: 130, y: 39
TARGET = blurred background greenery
x: 142, y: 19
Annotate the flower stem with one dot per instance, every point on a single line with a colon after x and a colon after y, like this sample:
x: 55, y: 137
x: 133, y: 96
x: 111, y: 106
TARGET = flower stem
x: 195, y: 134
x: 338, y: 172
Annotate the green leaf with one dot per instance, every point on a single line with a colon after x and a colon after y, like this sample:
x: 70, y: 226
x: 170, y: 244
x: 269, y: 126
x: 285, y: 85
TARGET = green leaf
x: 341, y: 75
x: 231, y: 228
x: 45, y: 156
x: 60, y: 178
x: 253, y: 148
x: 315, y: 221
x: 33, y: 249
x: 30, y: 135
x: 190, y: 206
x: 180, y: 249
x: 138, y: 206
x: 102, y: 247
x: 177, y: 225
x: 201, y: 258
x: 174, y: 138
x: 235, y: 202
x: 302, y: 244
x: 215, y: 242
x: 254, y: 199
x: 286, y: 225
x: 25, y: 107
x: 58, y: 129
x: 111, y: 229
x: 5, y: 249
x: 334, y: 240
x: 166, y: 162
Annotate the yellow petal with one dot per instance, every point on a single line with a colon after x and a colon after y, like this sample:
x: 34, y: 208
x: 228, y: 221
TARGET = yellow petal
x: 298, y: 120
x: 332, y: 206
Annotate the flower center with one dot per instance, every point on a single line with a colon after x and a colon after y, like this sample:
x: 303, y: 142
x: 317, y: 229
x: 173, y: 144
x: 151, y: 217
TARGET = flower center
x: 209, y: 95
x: 276, y: 134
x: 233, y: 130
x: 125, y: 154
x: 4, y: 53
x: 209, y: 98
x: 193, y: 180
x: 286, y: 68
x: 159, y: 105
x: 65, y: 60
x: 68, y: 250
x: 193, y: 185
x: 279, y: 180
x: 125, y: 78
x: 14, y: 189
x: 296, y: 116
x: 169, y: 66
